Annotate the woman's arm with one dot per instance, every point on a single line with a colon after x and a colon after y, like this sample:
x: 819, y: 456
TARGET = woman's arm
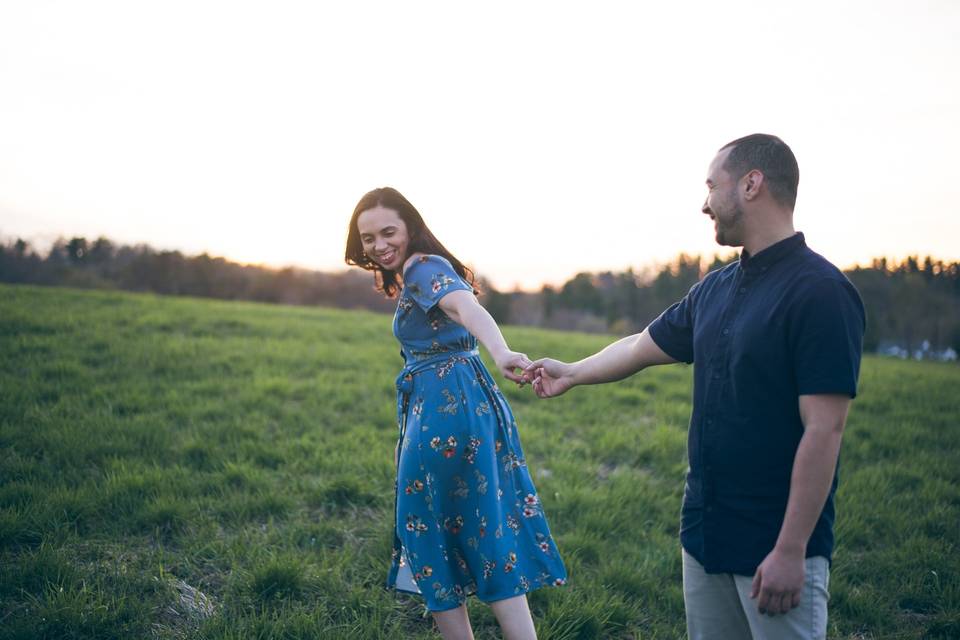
x: 463, y: 308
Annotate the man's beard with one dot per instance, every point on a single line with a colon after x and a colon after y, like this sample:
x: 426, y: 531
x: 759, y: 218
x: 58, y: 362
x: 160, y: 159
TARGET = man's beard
x: 729, y: 226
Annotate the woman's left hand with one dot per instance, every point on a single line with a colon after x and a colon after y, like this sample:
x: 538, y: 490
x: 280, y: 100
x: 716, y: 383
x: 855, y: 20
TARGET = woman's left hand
x: 509, y: 362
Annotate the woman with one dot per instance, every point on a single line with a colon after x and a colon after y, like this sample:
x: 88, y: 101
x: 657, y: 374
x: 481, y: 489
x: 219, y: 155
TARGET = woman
x: 468, y: 519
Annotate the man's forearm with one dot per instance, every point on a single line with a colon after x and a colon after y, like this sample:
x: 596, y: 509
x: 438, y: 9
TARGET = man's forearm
x: 619, y: 360
x: 813, y: 468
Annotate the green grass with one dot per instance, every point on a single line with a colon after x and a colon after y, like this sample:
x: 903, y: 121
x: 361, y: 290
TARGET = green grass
x: 179, y: 468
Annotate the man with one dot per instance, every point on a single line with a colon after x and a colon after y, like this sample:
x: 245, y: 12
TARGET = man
x: 775, y: 339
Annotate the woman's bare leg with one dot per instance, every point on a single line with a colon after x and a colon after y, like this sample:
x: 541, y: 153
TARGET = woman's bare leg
x: 514, y: 617
x: 454, y: 624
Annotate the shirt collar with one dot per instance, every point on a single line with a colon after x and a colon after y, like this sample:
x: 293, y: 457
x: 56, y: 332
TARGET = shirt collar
x: 772, y: 254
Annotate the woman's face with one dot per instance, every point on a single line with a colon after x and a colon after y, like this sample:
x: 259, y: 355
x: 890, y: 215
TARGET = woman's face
x: 384, y: 237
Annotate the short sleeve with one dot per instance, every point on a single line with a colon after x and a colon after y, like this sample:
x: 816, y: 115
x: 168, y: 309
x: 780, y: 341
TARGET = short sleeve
x: 673, y: 329
x: 826, y: 338
x: 430, y: 278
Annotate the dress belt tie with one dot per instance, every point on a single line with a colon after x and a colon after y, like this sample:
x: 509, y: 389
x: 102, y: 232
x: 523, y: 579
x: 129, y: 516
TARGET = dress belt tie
x: 404, y: 380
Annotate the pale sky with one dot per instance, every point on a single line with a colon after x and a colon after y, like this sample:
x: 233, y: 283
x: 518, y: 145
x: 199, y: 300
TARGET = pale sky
x: 538, y: 139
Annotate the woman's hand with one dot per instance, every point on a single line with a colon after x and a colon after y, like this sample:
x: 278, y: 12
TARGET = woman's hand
x: 509, y: 361
x: 550, y: 377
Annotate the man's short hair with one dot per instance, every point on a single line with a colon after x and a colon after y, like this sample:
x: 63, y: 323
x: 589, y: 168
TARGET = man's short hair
x: 770, y: 156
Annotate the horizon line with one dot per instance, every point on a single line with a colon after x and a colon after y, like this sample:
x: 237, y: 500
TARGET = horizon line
x: 640, y: 267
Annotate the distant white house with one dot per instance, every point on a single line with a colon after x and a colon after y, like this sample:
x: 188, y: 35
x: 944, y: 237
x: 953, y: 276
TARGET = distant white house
x: 925, y: 352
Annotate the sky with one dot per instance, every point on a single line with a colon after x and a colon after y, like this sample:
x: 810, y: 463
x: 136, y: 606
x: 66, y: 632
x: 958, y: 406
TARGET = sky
x: 537, y: 139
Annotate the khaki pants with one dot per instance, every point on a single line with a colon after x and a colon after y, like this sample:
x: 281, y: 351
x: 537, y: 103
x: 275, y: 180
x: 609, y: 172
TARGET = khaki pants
x: 718, y: 605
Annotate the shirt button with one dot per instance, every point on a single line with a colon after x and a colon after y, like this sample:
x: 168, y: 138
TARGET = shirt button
x: 726, y: 332
x: 716, y: 375
x: 743, y: 289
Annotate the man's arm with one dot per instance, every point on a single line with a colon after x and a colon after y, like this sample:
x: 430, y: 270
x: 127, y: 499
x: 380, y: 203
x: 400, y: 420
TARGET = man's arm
x: 619, y: 360
x: 779, y: 578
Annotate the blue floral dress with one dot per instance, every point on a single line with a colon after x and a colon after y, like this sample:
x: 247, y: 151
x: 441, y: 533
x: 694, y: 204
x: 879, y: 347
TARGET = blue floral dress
x: 468, y: 518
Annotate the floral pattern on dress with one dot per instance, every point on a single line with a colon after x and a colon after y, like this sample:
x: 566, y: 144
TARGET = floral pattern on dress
x: 469, y: 519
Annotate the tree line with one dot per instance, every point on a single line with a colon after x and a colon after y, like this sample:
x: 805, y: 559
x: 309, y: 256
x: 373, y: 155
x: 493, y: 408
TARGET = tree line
x: 102, y: 264
x: 908, y: 302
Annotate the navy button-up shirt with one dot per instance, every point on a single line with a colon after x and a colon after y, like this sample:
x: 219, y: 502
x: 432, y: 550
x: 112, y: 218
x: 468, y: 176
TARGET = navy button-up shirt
x: 761, y: 332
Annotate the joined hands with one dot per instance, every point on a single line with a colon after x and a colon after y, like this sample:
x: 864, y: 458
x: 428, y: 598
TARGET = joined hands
x: 549, y: 377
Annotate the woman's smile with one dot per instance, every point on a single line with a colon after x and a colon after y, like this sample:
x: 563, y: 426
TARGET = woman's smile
x: 384, y: 237
x: 387, y: 258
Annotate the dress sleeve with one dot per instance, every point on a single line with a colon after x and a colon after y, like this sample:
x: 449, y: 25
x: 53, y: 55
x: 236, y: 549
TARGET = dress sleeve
x: 673, y: 329
x: 826, y: 337
x: 430, y: 278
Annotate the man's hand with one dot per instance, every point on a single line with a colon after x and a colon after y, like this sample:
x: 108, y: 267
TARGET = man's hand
x: 779, y: 582
x: 550, y: 377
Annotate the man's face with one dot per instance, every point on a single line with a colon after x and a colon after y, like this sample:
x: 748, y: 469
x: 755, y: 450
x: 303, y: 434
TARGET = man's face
x: 723, y: 203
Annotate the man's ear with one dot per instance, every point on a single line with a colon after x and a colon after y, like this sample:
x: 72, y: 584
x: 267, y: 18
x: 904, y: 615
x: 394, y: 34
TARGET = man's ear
x: 751, y: 184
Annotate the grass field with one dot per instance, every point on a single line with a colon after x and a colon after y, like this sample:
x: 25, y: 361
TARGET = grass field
x: 180, y: 468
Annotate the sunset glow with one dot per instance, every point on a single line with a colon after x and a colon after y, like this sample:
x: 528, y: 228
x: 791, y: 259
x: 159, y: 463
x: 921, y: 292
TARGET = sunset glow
x: 537, y: 139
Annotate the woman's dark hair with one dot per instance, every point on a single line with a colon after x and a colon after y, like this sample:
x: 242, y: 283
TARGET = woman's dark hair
x: 422, y: 240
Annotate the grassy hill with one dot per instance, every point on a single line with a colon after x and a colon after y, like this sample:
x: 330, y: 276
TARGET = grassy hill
x: 181, y: 468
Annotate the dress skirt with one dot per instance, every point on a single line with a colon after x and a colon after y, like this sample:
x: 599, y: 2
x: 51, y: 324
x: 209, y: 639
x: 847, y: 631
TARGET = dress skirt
x: 468, y: 517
